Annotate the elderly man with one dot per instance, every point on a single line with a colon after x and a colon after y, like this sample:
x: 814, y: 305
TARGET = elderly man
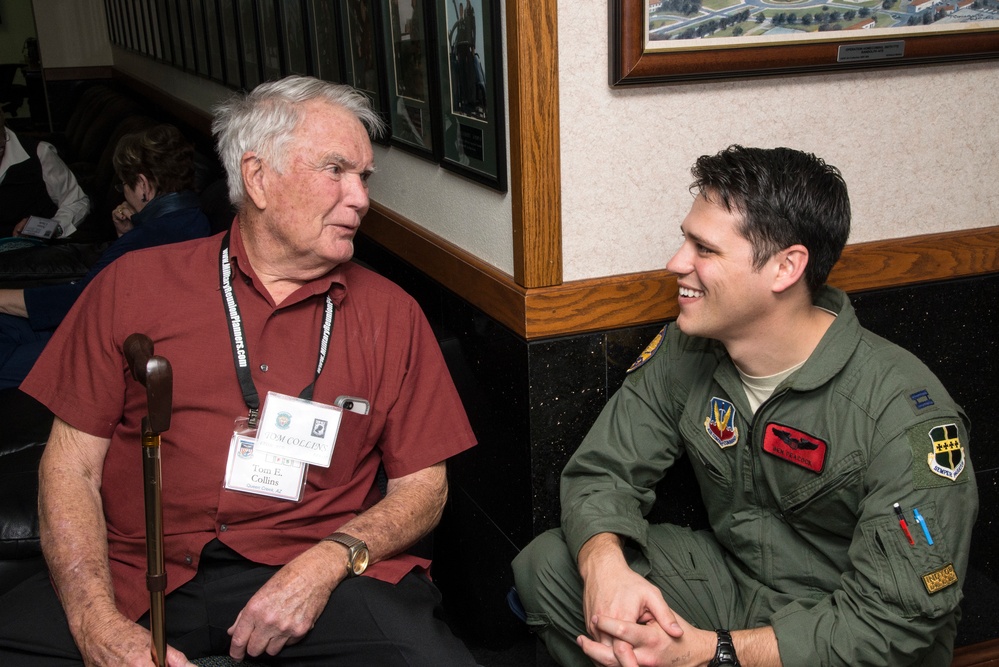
x: 278, y: 542
x: 833, y: 465
x: 35, y: 181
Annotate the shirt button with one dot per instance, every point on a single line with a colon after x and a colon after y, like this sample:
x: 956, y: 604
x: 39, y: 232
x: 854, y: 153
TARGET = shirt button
x: 263, y: 367
x: 223, y: 528
x: 188, y: 559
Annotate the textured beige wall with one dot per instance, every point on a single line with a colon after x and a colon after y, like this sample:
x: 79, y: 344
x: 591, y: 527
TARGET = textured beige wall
x: 919, y: 147
x: 72, y: 33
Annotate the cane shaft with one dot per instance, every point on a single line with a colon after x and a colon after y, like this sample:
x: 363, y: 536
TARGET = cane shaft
x: 156, y: 572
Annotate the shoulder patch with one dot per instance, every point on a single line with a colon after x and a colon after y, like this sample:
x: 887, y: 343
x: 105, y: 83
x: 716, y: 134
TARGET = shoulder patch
x: 937, y: 580
x: 938, y: 455
x: 720, y: 423
x: 649, y: 350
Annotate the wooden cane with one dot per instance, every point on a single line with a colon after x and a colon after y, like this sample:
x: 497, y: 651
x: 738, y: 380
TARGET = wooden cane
x: 155, y: 374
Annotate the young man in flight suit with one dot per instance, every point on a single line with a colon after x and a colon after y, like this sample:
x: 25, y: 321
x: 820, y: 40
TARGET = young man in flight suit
x: 833, y: 465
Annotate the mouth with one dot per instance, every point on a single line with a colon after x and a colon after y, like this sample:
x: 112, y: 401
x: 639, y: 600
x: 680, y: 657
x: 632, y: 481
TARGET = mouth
x: 688, y: 293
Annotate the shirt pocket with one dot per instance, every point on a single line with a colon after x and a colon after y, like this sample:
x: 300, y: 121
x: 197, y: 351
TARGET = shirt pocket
x: 351, y: 444
x: 828, y: 503
x: 919, y: 578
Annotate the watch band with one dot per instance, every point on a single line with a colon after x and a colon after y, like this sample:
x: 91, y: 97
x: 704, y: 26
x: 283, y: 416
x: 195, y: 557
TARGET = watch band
x: 357, y: 556
x: 725, y: 651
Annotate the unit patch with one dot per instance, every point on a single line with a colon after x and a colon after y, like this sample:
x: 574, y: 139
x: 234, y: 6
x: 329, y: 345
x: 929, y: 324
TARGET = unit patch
x: 937, y: 580
x: 720, y: 423
x: 650, y: 350
x: 947, y: 457
x: 795, y: 446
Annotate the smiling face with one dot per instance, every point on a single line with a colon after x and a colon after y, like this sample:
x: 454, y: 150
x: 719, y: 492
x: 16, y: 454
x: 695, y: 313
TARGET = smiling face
x: 311, y: 208
x: 722, y: 296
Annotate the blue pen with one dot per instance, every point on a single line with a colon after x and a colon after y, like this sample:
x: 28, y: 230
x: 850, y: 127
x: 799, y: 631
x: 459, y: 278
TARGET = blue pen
x: 922, y: 522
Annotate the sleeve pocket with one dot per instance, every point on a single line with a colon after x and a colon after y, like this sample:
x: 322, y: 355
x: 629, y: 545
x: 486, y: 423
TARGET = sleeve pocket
x: 920, y: 579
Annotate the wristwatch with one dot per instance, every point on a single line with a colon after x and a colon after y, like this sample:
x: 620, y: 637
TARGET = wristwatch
x: 725, y: 653
x: 357, y: 557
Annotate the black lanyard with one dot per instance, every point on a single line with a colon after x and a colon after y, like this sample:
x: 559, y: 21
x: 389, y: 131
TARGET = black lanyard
x: 241, y: 357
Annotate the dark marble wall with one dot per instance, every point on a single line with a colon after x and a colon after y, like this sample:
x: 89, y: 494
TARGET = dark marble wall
x: 531, y: 403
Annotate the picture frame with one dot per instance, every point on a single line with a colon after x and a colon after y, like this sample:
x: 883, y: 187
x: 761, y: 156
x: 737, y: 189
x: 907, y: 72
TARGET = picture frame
x: 268, y: 40
x: 411, y: 84
x: 295, y: 39
x: 323, y: 24
x: 469, y: 58
x: 252, y: 66
x: 362, y: 55
x: 231, y: 48
x: 644, y: 51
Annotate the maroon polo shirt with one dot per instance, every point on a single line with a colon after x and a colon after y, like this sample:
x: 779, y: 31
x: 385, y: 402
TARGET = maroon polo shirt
x: 381, y: 350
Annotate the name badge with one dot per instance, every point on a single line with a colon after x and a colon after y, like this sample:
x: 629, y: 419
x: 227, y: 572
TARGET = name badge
x: 254, y: 471
x: 295, y: 428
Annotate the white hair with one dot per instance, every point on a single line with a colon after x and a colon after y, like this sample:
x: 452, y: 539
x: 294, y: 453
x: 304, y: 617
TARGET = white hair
x: 264, y: 119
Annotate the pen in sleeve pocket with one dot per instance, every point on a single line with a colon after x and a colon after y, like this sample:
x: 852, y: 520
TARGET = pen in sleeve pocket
x: 922, y: 523
x: 903, y: 524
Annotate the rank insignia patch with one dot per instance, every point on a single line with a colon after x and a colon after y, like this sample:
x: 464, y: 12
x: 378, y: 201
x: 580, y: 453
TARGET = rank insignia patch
x: 940, y: 579
x: 795, y: 446
x: 947, y: 458
x: 650, y: 350
x: 720, y: 423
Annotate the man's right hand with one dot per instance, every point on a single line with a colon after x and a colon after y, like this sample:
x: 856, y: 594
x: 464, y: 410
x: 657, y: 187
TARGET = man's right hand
x: 611, y: 588
x: 118, y: 641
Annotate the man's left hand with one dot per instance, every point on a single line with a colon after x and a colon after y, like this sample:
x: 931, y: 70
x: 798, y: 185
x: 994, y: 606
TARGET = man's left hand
x: 647, y: 644
x: 285, y: 608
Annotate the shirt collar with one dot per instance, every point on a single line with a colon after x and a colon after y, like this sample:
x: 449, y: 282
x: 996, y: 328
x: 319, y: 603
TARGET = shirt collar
x: 333, y: 283
x: 161, y: 205
x: 14, y: 154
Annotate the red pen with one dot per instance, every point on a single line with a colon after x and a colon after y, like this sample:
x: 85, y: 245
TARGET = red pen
x: 905, y: 526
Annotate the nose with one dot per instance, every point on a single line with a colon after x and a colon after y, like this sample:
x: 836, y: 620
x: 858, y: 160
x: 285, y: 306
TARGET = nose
x: 355, y: 191
x: 680, y: 263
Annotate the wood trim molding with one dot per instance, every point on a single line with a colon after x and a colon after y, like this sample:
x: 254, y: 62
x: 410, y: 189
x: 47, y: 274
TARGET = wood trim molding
x: 535, y: 172
x: 983, y: 654
x: 641, y: 298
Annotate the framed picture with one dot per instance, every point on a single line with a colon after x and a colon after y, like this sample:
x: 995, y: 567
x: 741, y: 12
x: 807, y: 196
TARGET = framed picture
x: 684, y: 40
x: 246, y: 16
x: 323, y: 24
x: 412, y: 107
x: 363, y: 56
x: 294, y: 37
x: 469, y: 57
x: 231, y: 48
x: 267, y: 31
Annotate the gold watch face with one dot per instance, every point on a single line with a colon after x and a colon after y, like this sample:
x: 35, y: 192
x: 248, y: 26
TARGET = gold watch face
x: 359, y: 563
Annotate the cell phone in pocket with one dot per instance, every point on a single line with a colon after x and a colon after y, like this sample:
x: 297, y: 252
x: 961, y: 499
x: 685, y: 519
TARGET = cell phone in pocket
x: 353, y: 404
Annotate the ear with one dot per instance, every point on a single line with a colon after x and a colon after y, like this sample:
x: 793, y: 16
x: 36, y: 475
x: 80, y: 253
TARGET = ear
x: 145, y: 187
x: 252, y: 169
x: 790, y: 267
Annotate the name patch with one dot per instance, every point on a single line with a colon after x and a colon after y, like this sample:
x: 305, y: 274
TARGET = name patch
x: 940, y: 579
x: 795, y: 446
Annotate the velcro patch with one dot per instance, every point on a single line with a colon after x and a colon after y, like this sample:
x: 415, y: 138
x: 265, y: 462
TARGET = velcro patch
x: 649, y: 350
x: 937, y: 580
x: 938, y: 455
x: 795, y: 446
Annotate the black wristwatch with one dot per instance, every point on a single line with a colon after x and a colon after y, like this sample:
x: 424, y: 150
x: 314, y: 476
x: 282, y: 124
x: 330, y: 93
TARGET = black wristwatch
x: 725, y: 653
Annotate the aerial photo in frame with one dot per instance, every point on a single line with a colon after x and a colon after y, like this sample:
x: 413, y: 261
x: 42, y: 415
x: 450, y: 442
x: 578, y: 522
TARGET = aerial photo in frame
x: 673, y: 23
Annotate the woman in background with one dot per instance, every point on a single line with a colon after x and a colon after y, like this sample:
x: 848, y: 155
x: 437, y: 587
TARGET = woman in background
x: 156, y: 172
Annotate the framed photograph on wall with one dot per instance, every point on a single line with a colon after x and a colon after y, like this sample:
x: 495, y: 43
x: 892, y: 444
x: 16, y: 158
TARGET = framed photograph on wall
x: 471, y: 73
x: 666, y: 41
x: 363, y: 60
x: 323, y: 24
x: 412, y: 98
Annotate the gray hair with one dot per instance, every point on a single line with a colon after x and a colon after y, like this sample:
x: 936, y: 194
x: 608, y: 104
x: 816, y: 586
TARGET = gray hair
x: 264, y: 119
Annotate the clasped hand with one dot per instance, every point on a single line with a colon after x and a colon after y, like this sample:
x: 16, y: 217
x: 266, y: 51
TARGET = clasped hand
x: 631, y: 625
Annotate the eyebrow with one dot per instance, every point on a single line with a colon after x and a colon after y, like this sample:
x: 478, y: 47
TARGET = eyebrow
x: 350, y: 165
x: 696, y: 239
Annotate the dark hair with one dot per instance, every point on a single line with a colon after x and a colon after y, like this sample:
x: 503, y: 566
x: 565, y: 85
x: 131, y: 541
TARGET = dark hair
x: 785, y: 197
x: 161, y: 154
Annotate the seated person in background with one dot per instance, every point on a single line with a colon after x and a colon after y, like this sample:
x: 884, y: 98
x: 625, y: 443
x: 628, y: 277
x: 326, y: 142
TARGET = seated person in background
x: 810, y: 437
x: 301, y: 554
x: 35, y: 181
x: 156, y: 169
